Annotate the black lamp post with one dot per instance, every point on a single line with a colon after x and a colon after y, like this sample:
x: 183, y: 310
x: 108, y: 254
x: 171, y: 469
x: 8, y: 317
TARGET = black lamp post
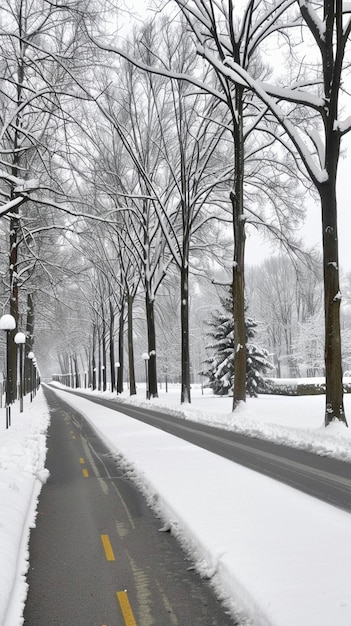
x: 8, y: 323
x: 35, y: 376
x: 20, y: 340
x: 117, y: 366
x: 30, y: 356
x: 146, y: 358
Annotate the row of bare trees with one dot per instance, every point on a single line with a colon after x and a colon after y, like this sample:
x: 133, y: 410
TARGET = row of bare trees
x: 131, y: 162
x: 304, y: 114
x: 31, y: 115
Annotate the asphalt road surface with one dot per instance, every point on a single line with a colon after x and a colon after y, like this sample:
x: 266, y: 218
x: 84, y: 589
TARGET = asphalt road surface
x: 322, y: 477
x: 97, y: 557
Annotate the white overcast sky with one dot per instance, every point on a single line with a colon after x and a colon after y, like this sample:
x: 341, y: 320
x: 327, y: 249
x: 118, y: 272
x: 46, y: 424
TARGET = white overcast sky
x: 257, y: 250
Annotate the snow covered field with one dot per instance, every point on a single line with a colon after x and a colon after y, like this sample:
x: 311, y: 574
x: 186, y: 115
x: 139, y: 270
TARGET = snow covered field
x: 279, y: 557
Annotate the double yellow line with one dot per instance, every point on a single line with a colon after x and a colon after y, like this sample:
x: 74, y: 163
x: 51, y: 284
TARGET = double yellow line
x: 122, y: 596
x: 126, y: 609
x: 84, y: 470
x: 108, y: 548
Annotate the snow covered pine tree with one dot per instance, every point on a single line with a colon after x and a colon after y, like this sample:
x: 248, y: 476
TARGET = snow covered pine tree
x: 220, y: 366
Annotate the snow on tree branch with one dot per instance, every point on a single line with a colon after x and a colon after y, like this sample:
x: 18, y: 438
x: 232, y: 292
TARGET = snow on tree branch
x: 22, y: 187
x: 267, y: 94
x: 159, y: 71
x: 315, y: 24
x: 318, y: 144
x: 344, y: 126
x: 10, y: 206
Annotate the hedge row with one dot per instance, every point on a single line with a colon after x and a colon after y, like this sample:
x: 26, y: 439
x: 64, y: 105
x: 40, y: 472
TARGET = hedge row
x: 271, y: 386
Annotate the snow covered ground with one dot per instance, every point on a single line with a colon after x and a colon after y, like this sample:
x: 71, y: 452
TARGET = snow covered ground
x: 279, y: 557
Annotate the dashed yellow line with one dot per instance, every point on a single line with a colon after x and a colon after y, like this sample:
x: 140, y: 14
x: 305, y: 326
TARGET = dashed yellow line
x: 126, y: 609
x: 85, y: 473
x: 107, y: 547
x: 81, y: 461
x: 72, y: 434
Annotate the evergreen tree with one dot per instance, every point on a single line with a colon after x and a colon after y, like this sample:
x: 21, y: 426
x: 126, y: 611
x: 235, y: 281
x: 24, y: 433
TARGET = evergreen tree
x: 256, y: 360
x: 220, y: 366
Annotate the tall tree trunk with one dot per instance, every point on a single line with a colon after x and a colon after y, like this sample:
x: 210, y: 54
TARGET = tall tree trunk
x: 332, y: 298
x: 99, y: 359
x: 61, y: 364
x: 104, y: 355
x: 13, y: 258
x: 132, y: 385
x: 185, y: 350
x: 112, y: 347
x: 238, y: 283
x: 151, y: 342
x: 120, y: 350
x: 76, y: 371
x: 89, y: 366
x: 184, y: 269
x: 332, y: 56
x: 66, y: 369
x: 93, y: 357
x: 71, y: 370
x: 15, y: 223
x: 29, y: 341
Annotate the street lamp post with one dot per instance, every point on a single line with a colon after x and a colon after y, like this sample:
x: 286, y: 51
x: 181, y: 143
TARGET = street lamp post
x: 103, y: 378
x: 146, y: 358
x: 117, y: 366
x: 20, y: 340
x: 31, y: 357
x: 8, y: 323
x: 35, y: 376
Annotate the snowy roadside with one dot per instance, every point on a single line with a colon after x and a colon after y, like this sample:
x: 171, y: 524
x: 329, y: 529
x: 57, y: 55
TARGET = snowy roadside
x: 286, y: 420
x: 277, y: 555
x: 22, y: 474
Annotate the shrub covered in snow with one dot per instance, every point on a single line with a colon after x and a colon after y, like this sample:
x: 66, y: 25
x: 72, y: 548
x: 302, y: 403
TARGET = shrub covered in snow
x: 220, y: 365
x: 296, y: 387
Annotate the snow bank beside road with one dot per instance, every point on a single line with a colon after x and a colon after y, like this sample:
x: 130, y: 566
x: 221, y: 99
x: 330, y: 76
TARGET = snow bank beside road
x: 22, y: 460
x: 286, y: 420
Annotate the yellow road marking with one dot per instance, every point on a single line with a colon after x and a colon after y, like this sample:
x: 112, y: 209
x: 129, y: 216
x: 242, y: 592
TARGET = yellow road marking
x: 107, y: 547
x: 85, y: 473
x: 81, y: 461
x: 126, y: 609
